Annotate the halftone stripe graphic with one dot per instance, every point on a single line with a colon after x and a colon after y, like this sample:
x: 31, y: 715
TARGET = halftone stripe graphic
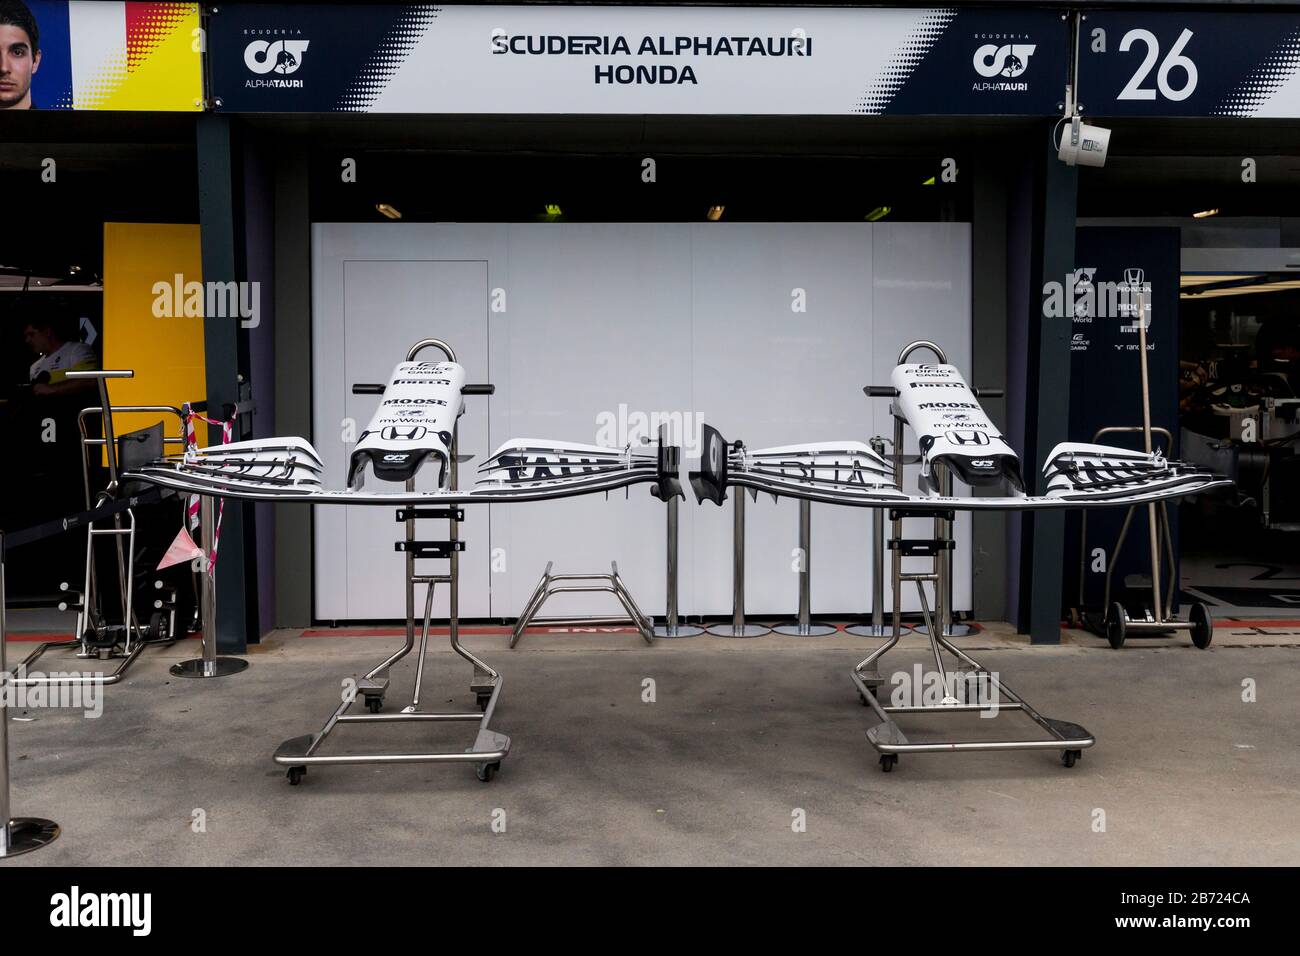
x: 1278, y: 67
x: 409, y: 28
x: 147, y: 26
x: 886, y: 84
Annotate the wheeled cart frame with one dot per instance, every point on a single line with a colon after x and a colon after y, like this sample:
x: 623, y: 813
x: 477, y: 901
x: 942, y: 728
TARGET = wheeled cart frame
x: 1114, y: 622
x: 489, y: 747
x: 94, y: 638
x: 887, y: 737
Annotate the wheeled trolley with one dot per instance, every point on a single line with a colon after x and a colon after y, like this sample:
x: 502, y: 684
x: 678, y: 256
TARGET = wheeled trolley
x: 489, y: 747
x: 954, y: 690
x: 1114, y: 622
x: 96, y: 637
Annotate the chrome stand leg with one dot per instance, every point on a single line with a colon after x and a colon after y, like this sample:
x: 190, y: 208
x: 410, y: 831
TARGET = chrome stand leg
x: 738, y: 627
x: 671, y: 626
x: 424, y: 647
x: 22, y: 834
x: 804, y: 627
x: 209, y: 665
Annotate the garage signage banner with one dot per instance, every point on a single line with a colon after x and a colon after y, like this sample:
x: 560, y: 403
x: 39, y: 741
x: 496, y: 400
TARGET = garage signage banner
x: 1190, y: 64
x: 667, y: 60
x: 88, y: 55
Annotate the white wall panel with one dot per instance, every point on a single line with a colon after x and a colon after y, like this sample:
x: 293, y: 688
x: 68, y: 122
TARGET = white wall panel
x: 607, y: 322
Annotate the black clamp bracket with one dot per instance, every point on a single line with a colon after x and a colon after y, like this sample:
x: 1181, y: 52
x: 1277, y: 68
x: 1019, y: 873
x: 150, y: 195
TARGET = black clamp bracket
x: 429, y: 549
x: 947, y: 514
x: 413, y: 514
x: 919, y: 547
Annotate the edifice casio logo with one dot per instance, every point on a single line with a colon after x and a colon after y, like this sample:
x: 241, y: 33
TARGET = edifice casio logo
x: 999, y: 63
x: 274, y: 60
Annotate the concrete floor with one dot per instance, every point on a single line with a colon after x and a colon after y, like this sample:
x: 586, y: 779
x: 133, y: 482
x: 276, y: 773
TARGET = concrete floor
x: 742, y: 734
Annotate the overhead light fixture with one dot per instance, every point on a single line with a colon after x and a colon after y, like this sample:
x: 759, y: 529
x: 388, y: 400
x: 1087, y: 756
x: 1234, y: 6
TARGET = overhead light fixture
x: 928, y: 182
x: 1205, y: 213
x: 715, y: 213
x: 880, y: 212
x: 387, y: 210
x: 553, y: 211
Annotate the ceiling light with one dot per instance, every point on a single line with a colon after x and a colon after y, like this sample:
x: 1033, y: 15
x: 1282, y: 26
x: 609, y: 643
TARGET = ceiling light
x: 387, y: 210
x: 715, y: 213
x: 1205, y: 214
x: 880, y: 212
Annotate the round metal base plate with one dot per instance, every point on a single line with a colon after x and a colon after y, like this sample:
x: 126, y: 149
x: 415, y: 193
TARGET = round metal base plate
x: 813, y: 630
x: 954, y: 630
x: 29, y: 833
x: 867, y: 630
x: 745, y: 630
x: 681, y: 630
x: 221, y: 667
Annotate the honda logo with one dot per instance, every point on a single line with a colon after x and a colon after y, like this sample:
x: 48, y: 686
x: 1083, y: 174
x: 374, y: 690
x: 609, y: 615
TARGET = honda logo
x: 968, y: 438
x: 412, y: 433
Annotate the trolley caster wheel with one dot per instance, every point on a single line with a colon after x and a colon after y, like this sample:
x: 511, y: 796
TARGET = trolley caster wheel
x: 483, y: 701
x: 374, y: 704
x: 1116, y: 625
x: 1202, y: 625
x: 295, y: 775
x: 888, y: 762
x: 1070, y: 757
x: 486, y: 771
x: 157, y: 626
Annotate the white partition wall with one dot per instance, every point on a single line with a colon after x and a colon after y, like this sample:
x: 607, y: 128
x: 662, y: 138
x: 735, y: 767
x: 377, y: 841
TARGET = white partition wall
x: 592, y: 333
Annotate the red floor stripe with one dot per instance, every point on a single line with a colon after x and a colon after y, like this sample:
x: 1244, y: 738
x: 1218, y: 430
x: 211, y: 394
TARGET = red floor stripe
x: 442, y: 631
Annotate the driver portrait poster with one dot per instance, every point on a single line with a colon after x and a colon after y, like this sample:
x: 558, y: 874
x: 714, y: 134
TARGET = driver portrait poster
x: 85, y: 55
x: 422, y: 58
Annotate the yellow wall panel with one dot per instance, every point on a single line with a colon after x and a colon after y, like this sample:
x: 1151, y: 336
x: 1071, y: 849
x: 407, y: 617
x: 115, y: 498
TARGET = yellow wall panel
x: 166, y: 352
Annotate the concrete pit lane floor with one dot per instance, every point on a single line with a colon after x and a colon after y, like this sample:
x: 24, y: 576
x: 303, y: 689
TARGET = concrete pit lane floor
x: 751, y: 752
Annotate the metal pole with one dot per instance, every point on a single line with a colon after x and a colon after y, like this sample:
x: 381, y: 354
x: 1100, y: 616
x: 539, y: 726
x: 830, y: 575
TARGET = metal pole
x: 670, y: 627
x: 24, y: 834
x: 943, y: 563
x: 738, y: 560
x: 209, y: 665
x: 738, y: 627
x: 804, y: 627
x: 877, y: 626
x: 1152, y: 528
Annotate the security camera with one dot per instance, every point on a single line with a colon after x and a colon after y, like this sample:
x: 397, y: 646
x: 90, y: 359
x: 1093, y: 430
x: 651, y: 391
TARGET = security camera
x: 1084, y: 145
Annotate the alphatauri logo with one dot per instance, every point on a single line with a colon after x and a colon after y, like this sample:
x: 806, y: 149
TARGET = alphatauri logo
x: 76, y: 909
x: 1007, y: 61
x: 275, y: 56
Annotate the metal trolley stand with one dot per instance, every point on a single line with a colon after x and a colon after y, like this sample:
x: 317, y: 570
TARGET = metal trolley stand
x: 887, y: 737
x: 1114, y: 621
x: 489, y: 747
x: 95, y: 638
x: 667, y: 489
